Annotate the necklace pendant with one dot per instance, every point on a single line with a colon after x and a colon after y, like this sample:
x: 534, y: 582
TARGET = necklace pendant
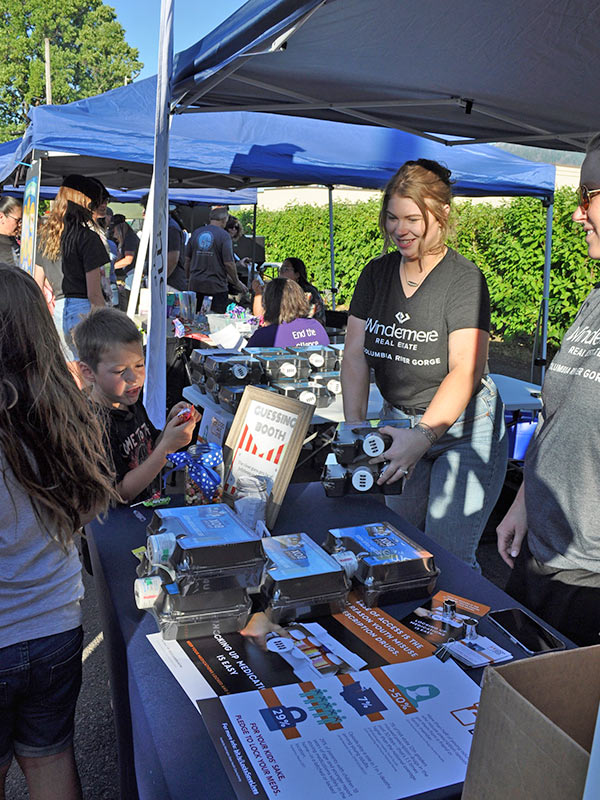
x: 413, y: 283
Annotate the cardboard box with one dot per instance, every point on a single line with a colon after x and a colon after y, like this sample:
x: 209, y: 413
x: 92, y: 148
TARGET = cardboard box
x: 535, y: 727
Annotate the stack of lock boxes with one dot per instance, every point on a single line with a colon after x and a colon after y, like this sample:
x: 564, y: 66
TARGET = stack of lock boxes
x: 309, y: 374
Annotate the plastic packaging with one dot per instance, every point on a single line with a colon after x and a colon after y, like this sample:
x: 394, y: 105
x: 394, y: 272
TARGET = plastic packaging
x: 330, y: 380
x: 339, y: 480
x: 251, y: 499
x: 309, y: 392
x: 355, y: 440
x: 203, y: 622
x: 390, y: 567
x: 286, y: 367
x: 210, y: 539
x: 215, y: 560
x: 230, y: 396
x: 301, y: 579
x: 320, y: 357
x: 196, y: 364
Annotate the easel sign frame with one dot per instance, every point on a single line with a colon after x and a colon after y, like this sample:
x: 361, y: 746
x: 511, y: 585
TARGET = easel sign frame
x: 265, y: 440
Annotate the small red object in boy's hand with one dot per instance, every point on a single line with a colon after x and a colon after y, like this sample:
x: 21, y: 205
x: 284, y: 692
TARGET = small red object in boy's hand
x: 185, y: 414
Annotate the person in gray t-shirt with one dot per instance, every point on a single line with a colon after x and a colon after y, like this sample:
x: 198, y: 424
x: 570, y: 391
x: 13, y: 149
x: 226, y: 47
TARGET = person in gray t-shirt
x: 209, y: 261
x: 550, y: 534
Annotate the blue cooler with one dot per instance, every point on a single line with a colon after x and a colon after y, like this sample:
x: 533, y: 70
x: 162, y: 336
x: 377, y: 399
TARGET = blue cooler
x: 520, y: 433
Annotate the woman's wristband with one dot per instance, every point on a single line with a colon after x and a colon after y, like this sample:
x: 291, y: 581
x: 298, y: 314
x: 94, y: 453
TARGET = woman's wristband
x: 427, y: 432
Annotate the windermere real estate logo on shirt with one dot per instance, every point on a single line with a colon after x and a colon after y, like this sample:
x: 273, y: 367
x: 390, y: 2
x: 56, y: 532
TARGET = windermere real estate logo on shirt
x: 401, y: 337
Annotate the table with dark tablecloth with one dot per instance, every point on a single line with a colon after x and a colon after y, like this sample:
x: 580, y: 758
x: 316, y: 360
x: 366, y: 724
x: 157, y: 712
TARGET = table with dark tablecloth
x: 164, y: 748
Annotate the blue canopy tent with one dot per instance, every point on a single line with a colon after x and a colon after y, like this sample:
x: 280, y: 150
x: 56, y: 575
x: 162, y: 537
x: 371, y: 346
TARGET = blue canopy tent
x: 236, y: 150
x: 183, y: 197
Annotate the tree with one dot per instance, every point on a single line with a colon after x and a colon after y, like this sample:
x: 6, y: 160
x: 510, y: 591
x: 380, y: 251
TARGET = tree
x: 88, y: 55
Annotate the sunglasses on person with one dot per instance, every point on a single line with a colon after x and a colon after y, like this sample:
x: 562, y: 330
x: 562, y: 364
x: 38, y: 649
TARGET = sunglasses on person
x: 585, y: 195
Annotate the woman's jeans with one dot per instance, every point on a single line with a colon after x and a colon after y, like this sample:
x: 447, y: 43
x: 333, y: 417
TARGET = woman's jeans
x: 456, y: 484
x: 74, y: 310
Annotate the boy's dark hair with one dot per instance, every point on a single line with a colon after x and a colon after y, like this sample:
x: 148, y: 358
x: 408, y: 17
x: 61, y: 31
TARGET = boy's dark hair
x: 100, y: 330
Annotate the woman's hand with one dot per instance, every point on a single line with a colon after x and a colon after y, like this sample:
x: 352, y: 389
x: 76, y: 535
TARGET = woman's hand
x: 257, y: 287
x: 513, y: 529
x: 407, y: 447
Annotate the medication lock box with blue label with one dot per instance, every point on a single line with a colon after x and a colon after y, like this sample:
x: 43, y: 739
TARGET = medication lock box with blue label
x: 199, y: 564
x: 301, y: 580
x: 384, y: 564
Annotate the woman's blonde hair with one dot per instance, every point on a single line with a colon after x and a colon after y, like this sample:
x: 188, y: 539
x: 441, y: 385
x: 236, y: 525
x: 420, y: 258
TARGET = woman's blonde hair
x: 72, y: 206
x: 428, y: 185
x: 50, y: 436
x: 284, y: 301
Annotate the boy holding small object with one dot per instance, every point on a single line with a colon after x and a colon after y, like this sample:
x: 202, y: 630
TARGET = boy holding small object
x: 112, y: 362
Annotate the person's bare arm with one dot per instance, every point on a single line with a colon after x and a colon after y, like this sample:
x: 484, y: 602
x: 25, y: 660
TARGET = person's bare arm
x: 39, y: 276
x: 94, y: 287
x: 512, y: 530
x: 176, y: 435
x: 172, y: 259
x: 355, y: 372
x: 126, y: 261
x: 258, y: 308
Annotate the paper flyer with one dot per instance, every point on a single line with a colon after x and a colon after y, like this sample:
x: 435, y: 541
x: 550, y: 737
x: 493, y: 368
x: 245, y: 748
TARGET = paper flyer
x: 358, y: 638
x: 389, y: 732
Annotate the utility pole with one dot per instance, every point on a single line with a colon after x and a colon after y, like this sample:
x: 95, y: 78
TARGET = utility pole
x: 47, y: 70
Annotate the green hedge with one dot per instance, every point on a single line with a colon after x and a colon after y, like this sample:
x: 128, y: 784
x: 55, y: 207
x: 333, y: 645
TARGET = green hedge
x: 506, y: 242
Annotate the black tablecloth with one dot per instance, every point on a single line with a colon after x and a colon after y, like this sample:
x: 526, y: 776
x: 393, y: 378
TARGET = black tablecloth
x: 164, y: 748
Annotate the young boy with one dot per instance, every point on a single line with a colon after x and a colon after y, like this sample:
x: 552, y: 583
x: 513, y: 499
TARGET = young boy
x: 112, y: 361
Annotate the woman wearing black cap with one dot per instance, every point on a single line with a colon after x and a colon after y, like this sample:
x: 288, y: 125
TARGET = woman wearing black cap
x: 67, y: 237
x: 549, y: 537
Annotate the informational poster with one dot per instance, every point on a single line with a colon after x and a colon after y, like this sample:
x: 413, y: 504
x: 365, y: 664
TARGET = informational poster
x: 389, y: 732
x: 30, y: 211
x: 358, y: 638
x: 431, y: 623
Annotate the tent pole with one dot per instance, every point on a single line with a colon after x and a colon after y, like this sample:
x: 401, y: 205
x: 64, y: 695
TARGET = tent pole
x: 155, y: 386
x: 541, y: 362
x: 331, y: 253
x: 141, y: 256
x: 253, y: 268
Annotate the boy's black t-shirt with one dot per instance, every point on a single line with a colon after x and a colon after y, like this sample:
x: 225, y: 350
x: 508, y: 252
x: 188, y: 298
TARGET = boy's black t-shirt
x: 86, y: 253
x: 131, y: 438
x: 406, y: 338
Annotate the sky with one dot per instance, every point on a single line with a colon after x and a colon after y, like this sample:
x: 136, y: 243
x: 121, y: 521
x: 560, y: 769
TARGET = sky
x: 192, y: 19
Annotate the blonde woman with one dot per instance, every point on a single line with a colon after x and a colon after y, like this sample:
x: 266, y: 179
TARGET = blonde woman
x: 420, y: 318
x: 67, y: 238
